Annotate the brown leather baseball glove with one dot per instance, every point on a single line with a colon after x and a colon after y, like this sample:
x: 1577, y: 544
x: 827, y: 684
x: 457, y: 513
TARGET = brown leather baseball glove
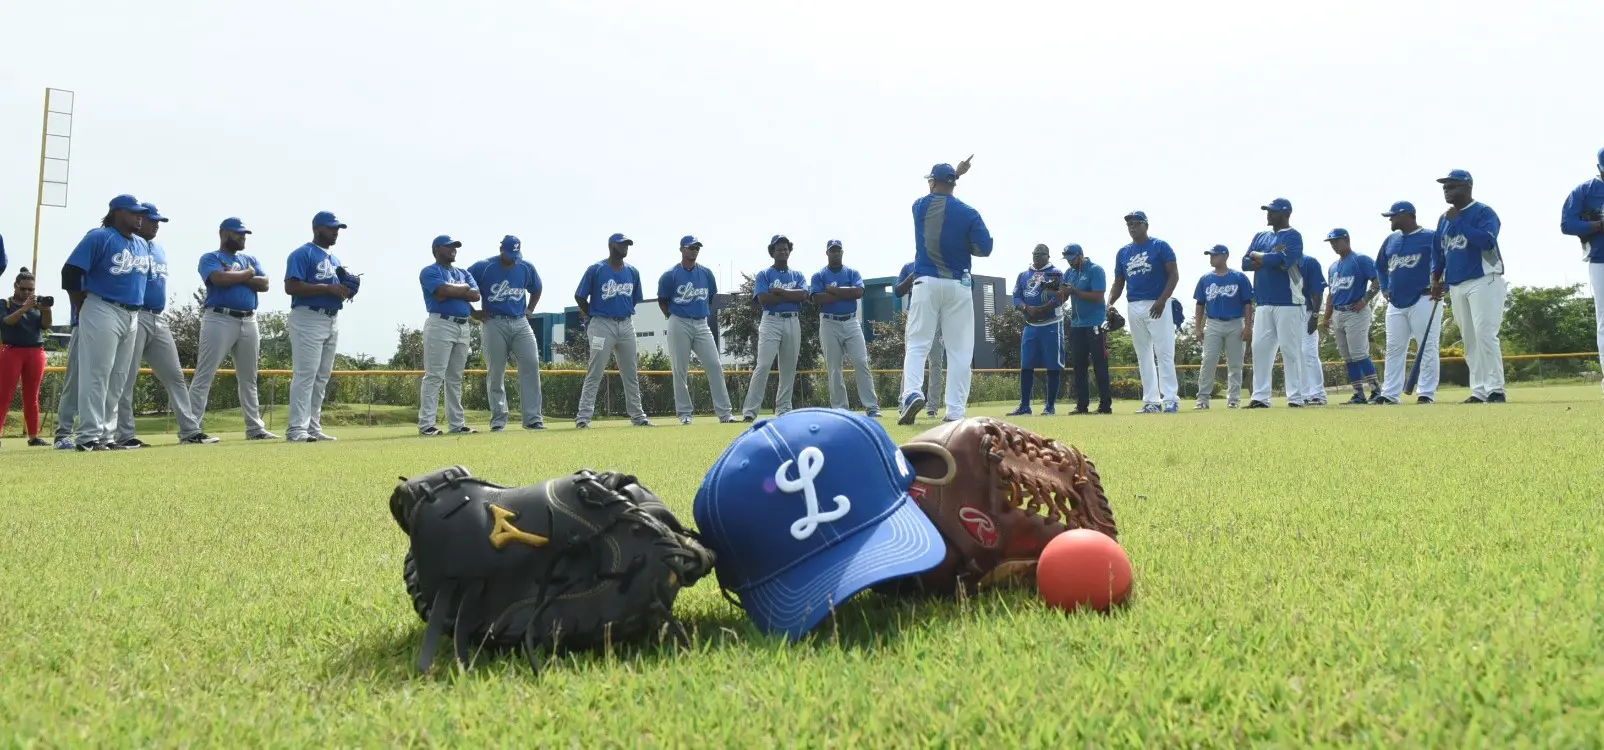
x: 998, y: 493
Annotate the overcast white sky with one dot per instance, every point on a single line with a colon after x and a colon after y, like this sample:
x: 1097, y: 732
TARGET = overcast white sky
x: 562, y: 123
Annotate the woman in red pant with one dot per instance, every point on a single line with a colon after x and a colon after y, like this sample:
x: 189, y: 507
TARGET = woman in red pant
x: 22, y: 358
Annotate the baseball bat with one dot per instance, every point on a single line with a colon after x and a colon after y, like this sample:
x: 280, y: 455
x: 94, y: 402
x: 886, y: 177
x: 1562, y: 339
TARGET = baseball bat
x: 1420, y: 351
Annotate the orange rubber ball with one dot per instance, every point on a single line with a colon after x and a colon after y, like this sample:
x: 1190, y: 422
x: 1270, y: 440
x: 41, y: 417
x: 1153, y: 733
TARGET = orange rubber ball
x: 1082, y: 567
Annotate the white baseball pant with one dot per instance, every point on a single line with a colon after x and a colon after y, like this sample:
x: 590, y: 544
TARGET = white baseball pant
x: 949, y: 305
x: 1596, y: 273
x: 1479, y: 311
x: 1279, y: 329
x: 1405, y: 324
x: 1154, y: 341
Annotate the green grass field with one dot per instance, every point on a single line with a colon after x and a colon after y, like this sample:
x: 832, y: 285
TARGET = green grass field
x: 1408, y: 576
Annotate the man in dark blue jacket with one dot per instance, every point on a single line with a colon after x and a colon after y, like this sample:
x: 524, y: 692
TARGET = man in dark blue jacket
x: 1583, y: 218
x: 1469, y: 265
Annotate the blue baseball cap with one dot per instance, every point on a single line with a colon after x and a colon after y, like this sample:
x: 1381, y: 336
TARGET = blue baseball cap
x: 1073, y: 250
x: 234, y: 224
x: 1601, y: 158
x: 1279, y: 204
x: 775, y: 240
x: 943, y: 173
x: 1458, y: 175
x: 1336, y: 234
x: 151, y: 212
x: 689, y: 241
x: 327, y: 219
x: 445, y: 240
x: 1401, y: 207
x: 618, y: 238
x: 832, y: 244
x: 126, y: 202
x: 807, y: 509
x: 511, y: 244
x: 1137, y: 216
x: 1217, y: 250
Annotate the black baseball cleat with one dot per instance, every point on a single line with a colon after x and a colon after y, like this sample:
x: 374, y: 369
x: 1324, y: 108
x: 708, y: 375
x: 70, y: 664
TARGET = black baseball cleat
x: 1473, y: 400
x: 1425, y: 400
x: 1258, y: 405
x: 131, y: 443
x: 430, y: 432
x: 199, y: 438
x: 464, y: 430
x: 1496, y: 397
x: 37, y: 442
x: 1358, y: 399
x: 1019, y: 412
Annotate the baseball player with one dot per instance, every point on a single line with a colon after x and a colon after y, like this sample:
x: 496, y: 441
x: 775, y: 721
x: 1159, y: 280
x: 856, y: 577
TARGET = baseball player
x: 511, y: 288
x: 607, y: 295
x: 1041, y: 344
x: 1314, y: 370
x: 316, y: 299
x: 106, y: 276
x: 67, y: 403
x: 780, y: 290
x: 934, y: 379
x: 947, y: 233
x: 1583, y: 218
x: 1403, y: 270
x: 1354, y: 283
x: 1470, y: 265
x: 1223, y: 321
x: 836, y: 289
x: 682, y: 295
x: 448, y: 296
x: 154, y: 342
x: 1084, y: 284
x: 1281, y: 314
x: 1148, y: 265
x: 233, y: 282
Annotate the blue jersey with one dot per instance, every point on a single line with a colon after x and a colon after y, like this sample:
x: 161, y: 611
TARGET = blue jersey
x: 610, y: 293
x: 156, y: 281
x: 1467, y: 245
x: 1030, y: 288
x: 1090, y: 277
x: 1587, y: 197
x: 946, y: 234
x: 1404, y: 265
x: 433, y: 276
x: 1349, y: 278
x: 845, y: 277
x: 687, y: 291
x: 1314, y: 281
x: 313, y: 265
x: 505, y: 290
x: 1142, y: 267
x: 116, y: 268
x: 237, y: 296
x: 1280, y: 280
x: 1224, y: 296
x: 772, y: 278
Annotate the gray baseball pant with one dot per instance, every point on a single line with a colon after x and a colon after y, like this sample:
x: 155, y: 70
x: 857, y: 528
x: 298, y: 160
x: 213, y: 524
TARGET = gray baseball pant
x: 445, y: 354
x: 779, y: 336
x: 1221, y: 335
x: 154, y: 344
x: 221, y: 335
x: 609, y: 337
x: 67, y: 410
x: 502, y: 335
x: 845, y: 338
x: 686, y: 337
x: 313, y: 337
x: 108, y: 333
x: 1352, y: 330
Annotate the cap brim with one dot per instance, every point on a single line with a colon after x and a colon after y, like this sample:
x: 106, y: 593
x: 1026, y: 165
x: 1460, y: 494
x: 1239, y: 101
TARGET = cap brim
x: 793, y: 603
x: 336, y: 225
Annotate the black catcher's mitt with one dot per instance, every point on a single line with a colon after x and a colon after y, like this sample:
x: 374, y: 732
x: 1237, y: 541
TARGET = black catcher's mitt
x: 574, y: 562
x: 351, y: 281
x: 1115, y: 320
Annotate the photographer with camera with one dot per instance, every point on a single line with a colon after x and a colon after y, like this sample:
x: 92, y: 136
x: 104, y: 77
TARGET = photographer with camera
x: 22, y: 358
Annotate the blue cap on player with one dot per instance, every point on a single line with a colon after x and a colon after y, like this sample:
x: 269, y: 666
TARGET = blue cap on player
x: 327, y: 219
x: 445, y: 240
x: 1336, y: 234
x: 1217, y: 250
x: 1601, y: 159
x: 126, y: 202
x: 1072, y: 250
x: 943, y: 173
x: 619, y: 238
x: 511, y: 244
x: 689, y: 241
x: 234, y: 224
x: 151, y: 212
x: 1401, y: 207
x: 775, y: 240
x: 1458, y: 175
x: 1136, y: 216
x: 807, y: 509
x: 1279, y: 204
x: 833, y: 245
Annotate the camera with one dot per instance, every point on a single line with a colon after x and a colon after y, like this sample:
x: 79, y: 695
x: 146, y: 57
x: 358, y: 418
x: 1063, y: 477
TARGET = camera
x: 46, y: 301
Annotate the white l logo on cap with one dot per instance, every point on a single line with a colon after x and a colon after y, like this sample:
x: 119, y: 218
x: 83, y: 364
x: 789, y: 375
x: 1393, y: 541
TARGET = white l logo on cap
x: 809, y: 463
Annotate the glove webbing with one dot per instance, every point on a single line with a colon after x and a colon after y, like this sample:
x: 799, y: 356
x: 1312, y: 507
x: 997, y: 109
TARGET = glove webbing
x: 1028, y: 492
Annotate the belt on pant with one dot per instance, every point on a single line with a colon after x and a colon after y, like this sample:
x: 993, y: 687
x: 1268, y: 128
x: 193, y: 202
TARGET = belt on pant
x: 450, y: 318
x: 233, y: 313
x: 1355, y: 307
x: 114, y: 303
x: 780, y: 314
x: 497, y: 316
x: 329, y: 311
x: 610, y: 317
x: 848, y: 316
x: 1223, y: 320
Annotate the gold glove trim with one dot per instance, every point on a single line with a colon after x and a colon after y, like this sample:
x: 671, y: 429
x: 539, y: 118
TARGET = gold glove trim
x: 504, y: 533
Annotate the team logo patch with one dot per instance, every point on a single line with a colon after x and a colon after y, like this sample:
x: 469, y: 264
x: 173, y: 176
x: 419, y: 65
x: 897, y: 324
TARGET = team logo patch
x: 980, y: 525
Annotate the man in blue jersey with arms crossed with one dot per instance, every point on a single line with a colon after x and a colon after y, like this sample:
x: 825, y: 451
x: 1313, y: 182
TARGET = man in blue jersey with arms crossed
x: 1084, y: 285
x: 1041, y: 344
x: 154, y: 342
x: 947, y: 233
x: 607, y: 296
x: 780, y: 289
x: 510, y: 289
x: 106, y: 276
x: 233, y: 281
x: 1468, y: 263
x: 1354, y: 283
x: 934, y: 378
x: 448, y: 296
x: 312, y: 280
x: 836, y: 289
x: 1281, y: 316
x: 1582, y: 217
x: 682, y: 294
x: 1223, y: 322
x: 1314, y: 369
x: 1147, y: 265
x: 1403, y: 270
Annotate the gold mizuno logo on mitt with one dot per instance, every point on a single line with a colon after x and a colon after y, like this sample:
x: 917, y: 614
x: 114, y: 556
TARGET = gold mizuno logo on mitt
x: 504, y: 533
